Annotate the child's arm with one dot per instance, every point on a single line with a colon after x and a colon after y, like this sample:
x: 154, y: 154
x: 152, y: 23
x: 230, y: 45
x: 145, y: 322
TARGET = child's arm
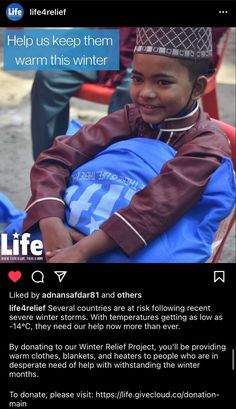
x: 56, y: 235
x: 168, y: 196
x: 51, y: 171
x: 153, y: 209
x: 90, y: 246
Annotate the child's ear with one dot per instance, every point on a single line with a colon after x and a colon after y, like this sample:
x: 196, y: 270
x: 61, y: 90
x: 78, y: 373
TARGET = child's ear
x: 199, y: 87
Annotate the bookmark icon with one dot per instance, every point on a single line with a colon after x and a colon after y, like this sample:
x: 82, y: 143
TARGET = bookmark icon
x: 60, y: 275
x: 219, y: 276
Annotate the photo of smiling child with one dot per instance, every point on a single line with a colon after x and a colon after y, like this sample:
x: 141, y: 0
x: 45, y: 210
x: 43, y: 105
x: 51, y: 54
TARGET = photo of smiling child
x: 151, y: 182
x: 169, y: 76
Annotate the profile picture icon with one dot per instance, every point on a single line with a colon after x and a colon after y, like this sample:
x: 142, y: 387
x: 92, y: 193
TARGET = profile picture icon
x: 14, y: 12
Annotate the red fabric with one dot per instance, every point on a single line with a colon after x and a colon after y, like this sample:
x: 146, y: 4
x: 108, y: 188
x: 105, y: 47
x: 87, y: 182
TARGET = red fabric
x: 217, y: 33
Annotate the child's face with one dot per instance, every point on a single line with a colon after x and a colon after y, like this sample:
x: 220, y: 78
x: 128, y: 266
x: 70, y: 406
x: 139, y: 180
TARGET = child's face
x: 160, y: 86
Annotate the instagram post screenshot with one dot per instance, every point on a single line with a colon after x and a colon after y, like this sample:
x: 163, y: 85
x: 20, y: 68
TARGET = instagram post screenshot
x: 117, y: 204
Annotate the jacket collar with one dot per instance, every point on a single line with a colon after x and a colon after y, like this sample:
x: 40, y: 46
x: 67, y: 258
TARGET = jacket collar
x: 180, y: 124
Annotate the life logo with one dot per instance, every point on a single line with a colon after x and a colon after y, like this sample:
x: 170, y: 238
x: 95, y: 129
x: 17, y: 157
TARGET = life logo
x: 20, y: 245
x: 14, y: 12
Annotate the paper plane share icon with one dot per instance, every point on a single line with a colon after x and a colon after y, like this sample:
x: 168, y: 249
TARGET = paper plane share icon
x: 60, y: 275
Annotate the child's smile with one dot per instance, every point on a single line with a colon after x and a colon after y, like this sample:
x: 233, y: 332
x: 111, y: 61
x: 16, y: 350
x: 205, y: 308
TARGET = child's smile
x: 146, y: 109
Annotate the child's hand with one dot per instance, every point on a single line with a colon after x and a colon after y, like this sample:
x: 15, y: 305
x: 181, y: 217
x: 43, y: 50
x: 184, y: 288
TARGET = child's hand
x: 83, y: 250
x: 66, y: 255
x: 56, y: 235
x: 75, y: 235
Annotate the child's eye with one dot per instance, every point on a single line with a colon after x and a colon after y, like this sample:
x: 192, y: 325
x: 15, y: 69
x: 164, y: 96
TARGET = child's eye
x: 164, y: 82
x: 136, y: 79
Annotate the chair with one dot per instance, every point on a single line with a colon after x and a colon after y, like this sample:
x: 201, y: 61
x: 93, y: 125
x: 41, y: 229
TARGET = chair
x: 95, y: 93
x: 209, y: 98
x: 227, y: 224
x: 231, y: 134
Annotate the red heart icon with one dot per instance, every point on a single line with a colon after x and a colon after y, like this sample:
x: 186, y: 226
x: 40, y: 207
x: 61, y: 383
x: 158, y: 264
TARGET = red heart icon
x: 14, y: 275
